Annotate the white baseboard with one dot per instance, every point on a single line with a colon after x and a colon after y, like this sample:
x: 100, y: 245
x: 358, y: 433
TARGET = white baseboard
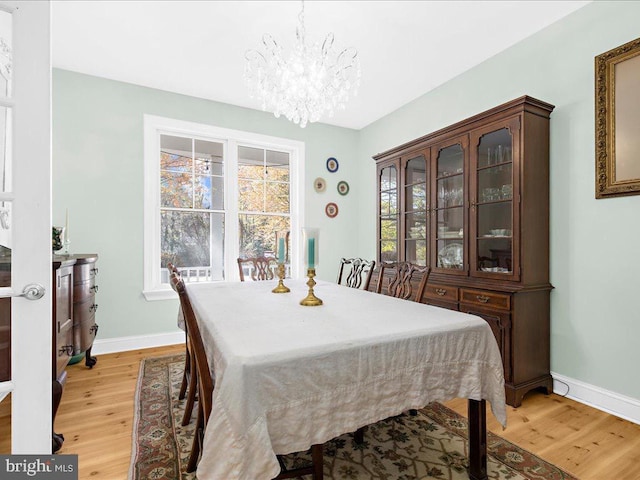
x: 123, y: 344
x: 596, y: 397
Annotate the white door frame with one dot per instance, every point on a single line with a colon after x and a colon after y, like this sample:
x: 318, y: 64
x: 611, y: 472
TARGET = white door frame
x: 31, y: 323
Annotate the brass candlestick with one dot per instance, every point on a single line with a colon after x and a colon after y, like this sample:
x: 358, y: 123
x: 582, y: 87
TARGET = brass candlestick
x: 311, y: 300
x: 281, y: 288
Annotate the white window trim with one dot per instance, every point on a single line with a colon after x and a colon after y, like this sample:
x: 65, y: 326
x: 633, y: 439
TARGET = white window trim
x: 154, y: 126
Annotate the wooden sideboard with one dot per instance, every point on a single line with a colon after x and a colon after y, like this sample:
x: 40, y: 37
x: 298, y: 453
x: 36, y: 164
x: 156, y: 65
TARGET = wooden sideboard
x: 85, y: 306
x: 74, y: 326
x: 472, y: 202
x: 62, y: 334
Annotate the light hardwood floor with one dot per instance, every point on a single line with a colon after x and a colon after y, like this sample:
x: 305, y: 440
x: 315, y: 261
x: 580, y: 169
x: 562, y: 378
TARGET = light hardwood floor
x: 96, y: 417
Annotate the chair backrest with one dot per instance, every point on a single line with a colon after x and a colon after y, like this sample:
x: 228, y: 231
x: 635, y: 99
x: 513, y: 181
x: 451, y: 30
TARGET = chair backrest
x: 261, y: 267
x: 359, y: 272
x: 400, y: 276
x: 173, y: 270
x: 205, y: 381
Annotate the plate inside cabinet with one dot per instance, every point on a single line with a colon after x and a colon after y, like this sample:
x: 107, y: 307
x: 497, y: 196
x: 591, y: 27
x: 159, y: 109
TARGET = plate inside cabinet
x: 319, y: 184
x: 331, y: 210
x: 343, y: 188
x: 332, y: 164
x: 451, y: 256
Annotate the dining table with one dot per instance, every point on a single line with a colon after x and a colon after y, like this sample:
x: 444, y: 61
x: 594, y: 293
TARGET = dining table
x: 289, y: 376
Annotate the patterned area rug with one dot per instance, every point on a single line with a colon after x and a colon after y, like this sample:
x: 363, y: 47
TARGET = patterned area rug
x: 431, y: 445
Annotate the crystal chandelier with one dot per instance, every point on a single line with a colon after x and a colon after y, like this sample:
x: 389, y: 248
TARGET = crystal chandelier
x: 312, y: 81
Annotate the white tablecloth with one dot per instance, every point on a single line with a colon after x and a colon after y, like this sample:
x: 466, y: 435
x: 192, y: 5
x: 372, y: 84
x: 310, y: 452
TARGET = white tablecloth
x: 289, y: 376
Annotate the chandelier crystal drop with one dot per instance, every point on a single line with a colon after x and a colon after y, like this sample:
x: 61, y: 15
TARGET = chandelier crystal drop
x: 313, y: 81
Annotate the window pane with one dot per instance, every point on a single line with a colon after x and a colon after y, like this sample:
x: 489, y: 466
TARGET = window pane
x: 277, y: 197
x: 208, y: 157
x: 175, y: 153
x: 388, y: 229
x: 416, y: 171
x: 450, y: 160
x: 5, y: 149
x: 258, y: 234
x: 176, y: 190
x: 277, y: 164
x: 185, y: 239
x: 5, y: 244
x: 388, y: 178
x: 251, y: 195
x: 6, y: 47
x: 174, y: 162
x: 388, y: 251
x: 217, y: 193
x: 202, y: 198
x: 251, y: 163
x: 416, y: 197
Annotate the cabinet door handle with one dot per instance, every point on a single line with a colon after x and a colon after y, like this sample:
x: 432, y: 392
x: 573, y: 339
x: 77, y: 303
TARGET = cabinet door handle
x: 94, y: 288
x: 483, y: 298
x: 95, y: 270
x: 93, y: 307
x: 441, y: 291
x: 68, y: 349
x: 94, y: 329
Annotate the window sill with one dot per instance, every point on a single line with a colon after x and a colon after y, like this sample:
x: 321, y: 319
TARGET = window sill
x: 159, y: 294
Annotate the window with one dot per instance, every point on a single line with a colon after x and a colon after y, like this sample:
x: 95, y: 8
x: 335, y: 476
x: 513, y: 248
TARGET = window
x: 263, y: 199
x: 212, y: 195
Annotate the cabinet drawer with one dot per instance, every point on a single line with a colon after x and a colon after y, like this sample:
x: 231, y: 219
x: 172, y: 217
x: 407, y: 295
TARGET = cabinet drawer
x: 63, y: 349
x: 84, y: 334
x: 486, y: 299
x: 84, y: 272
x: 84, y: 290
x: 441, y: 292
x: 82, y: 312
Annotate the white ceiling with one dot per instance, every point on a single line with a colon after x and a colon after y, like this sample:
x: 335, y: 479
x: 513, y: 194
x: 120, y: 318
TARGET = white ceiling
x: 197, y: 48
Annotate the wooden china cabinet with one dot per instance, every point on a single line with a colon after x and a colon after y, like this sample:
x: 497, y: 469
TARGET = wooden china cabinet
x: 472, y: 201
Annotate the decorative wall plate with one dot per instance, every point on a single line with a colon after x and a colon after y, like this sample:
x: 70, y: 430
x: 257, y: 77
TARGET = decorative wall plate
x: 332, y: 164
x: 343, y: 188
x: 331, y: 210
x: 319, y: 184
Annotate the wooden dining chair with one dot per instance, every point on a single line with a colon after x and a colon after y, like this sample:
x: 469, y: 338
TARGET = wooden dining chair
x: 261, y: 267
x: 355, y: 272
x: 188, y: 387
x: 206, y: 385
x: 204, y: 379
x: 400, y: 278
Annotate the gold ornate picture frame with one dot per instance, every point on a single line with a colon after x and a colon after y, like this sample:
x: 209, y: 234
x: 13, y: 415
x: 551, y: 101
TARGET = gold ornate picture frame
x: 617, y: 91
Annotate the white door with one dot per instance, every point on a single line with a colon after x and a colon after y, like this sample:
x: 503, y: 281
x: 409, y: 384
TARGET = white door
x: 25, y: 216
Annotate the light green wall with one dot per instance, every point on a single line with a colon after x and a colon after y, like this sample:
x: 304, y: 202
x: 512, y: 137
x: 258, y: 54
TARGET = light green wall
x: 595, y: 258
x: 98, y: 176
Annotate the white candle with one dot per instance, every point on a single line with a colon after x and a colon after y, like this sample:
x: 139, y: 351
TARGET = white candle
x: 66, y: 225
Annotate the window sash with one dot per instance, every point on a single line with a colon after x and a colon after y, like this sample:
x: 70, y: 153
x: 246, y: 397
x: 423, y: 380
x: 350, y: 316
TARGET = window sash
x: 154, y: 126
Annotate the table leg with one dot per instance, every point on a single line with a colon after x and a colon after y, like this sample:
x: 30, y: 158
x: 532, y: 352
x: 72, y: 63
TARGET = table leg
x: 316, y: 456
x: 477, y: 411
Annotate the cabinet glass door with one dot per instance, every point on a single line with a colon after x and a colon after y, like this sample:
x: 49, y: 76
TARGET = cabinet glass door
x: 450, y: 208
x: 415, y: 210
x: 494, y: 187
x: 388, y: 215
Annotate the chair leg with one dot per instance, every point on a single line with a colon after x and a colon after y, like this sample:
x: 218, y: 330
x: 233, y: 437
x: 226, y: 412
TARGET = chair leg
x: 191, y: 397
x: 185, y: 375
x: 358, y: 436
x: 195, y: 447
